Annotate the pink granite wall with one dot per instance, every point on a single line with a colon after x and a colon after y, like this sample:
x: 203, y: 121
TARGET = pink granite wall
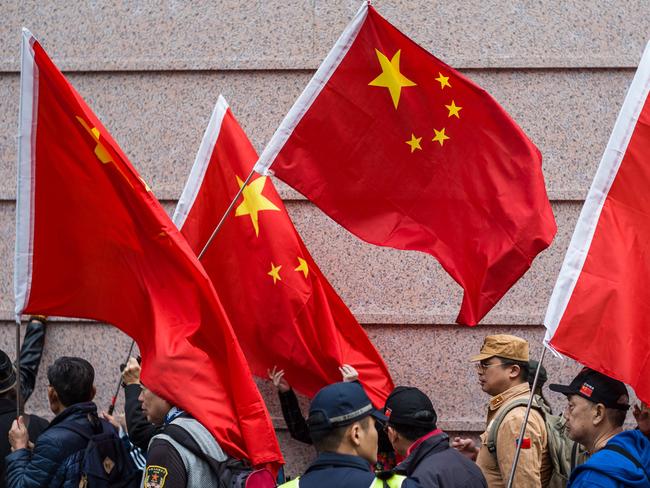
x: 152, y: 72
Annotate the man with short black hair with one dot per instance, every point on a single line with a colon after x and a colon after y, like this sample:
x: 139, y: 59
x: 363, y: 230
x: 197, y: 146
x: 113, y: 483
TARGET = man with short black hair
x: 502, y: 368
x: 342, y: 426
x: 427, y: 455
x: 595, y: 415
x: 51, y: 464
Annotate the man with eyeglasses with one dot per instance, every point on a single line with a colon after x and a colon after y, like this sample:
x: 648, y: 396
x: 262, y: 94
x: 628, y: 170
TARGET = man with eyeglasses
x: 502, y: 368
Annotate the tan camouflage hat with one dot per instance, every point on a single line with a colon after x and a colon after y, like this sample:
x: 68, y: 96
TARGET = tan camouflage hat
x: 505, y: 346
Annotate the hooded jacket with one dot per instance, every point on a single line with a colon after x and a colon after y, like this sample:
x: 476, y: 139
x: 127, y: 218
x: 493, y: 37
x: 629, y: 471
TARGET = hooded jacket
x: 609, y: 469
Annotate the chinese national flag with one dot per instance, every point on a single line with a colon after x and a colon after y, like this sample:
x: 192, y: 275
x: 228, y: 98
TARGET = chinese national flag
x: 283, y: 310
x: 598, y: 313
x: 405, y: 152
x: 93, y: 242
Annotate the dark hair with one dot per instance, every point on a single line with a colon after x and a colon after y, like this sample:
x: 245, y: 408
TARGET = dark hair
x: 412, y: 432
x: 523, y: 367
x: 616, y: 416
x: 72, y: 379
x: 330, y: 440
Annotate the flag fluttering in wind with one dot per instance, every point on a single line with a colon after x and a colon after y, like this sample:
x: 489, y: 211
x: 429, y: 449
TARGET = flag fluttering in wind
x: 600, y: 307
x: 93, y: 242
x: 404, y: 151
x: 283, y: 310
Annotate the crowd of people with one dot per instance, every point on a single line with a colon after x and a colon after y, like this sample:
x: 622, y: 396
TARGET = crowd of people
x: 357, y: 444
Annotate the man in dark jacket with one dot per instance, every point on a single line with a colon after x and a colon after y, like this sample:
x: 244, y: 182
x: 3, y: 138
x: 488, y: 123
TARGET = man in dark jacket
x: 30, y: 359
x: 428, y: 456
x: 342, y: 427
x: 52, y: 461
x: 139, y: 428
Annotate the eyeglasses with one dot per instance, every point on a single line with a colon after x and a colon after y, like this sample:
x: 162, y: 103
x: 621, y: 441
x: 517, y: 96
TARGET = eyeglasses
x: 481, y: 367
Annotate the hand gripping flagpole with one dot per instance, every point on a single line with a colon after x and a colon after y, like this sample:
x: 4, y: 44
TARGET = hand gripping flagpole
x: 522, y: 432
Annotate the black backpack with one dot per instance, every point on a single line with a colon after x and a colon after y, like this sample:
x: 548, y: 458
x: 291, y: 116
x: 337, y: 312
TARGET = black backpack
x: 105, y: 462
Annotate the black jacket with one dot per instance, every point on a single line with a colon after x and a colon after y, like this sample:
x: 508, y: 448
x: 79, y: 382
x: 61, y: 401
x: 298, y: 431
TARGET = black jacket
x: 434, y: 463
x: 30, y: 359
x: 342, y: 471
x: 140, y: 429
x: 292, y: 414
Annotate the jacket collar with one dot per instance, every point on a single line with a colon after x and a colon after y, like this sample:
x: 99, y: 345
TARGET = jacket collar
x: 76, y: 410
x: 333, y: 459
x: 514, y: 392
x: 433, y: 442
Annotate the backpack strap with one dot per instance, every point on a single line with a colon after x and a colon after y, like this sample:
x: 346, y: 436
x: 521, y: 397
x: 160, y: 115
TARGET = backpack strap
x: 625, y: 453
x: 184, y: 438
x: 496, y: 422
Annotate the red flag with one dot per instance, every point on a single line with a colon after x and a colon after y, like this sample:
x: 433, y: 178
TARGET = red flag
x: 283, y: 310
x: 598, y: 313
x: 93, y: 242
x: 405, y: 152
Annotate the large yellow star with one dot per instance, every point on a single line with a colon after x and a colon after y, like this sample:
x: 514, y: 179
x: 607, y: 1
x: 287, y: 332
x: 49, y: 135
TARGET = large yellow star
x: 443, y: 80
x: 254, y: 202
x: 275, y: 273
x: 100, y: 150
x: 440, y: 136
x: 302, y: 266
x: 390, y: 76
x: 454, y: 109
x: 414, y: 143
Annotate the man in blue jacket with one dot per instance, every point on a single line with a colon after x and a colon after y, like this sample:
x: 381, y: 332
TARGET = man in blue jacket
x: 595, y: 416
x: 52, y: 462
x: 342, y: 426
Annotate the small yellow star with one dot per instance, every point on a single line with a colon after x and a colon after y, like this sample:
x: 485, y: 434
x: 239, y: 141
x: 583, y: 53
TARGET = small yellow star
x: 440, y: 137
x: 275, y: 273
x: 444, y: 81
x: 454, y: 109
x: 302, y: 266
x: 414, y: 143
x: 390, y: 76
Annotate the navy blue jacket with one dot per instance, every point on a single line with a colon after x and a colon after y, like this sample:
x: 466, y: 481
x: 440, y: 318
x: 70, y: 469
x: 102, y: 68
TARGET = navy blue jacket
x: 53, y: 463
x: 609, y: 469
x: 436, y: 464
x: 341, y: 470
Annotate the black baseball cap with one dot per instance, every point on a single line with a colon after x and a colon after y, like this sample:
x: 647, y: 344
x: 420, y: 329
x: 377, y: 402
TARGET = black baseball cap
x: 407, y: 405
x: 597, y: 388
x: 340, y: 404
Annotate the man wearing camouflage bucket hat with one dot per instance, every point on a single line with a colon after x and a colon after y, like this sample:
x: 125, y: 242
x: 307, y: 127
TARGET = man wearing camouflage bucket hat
x: 502, y: 368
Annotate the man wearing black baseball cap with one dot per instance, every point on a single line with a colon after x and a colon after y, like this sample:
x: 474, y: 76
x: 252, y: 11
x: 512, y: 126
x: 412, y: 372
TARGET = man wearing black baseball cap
x: 342, y: 426
x: 595, y: 415
x: 414, y: 435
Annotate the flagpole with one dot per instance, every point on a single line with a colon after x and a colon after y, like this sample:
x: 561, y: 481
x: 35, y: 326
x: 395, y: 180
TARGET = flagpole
x: 17, y: 365
x: 523, y: 425
x: 111, y: 408
x: 227, y: 212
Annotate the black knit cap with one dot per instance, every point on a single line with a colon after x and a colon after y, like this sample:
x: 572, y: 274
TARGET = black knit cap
x: 7, y: 373
x: 407, y: 405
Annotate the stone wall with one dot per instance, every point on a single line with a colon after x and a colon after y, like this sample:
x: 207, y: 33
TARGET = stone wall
x: 152, y: 72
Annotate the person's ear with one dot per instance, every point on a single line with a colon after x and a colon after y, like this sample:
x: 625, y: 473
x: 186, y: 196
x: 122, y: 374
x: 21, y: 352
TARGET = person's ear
x: 598, y: 412
x: 52, y: 396
x: 354, y: 434
x: 93, y: 393
x: 515, y: 371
